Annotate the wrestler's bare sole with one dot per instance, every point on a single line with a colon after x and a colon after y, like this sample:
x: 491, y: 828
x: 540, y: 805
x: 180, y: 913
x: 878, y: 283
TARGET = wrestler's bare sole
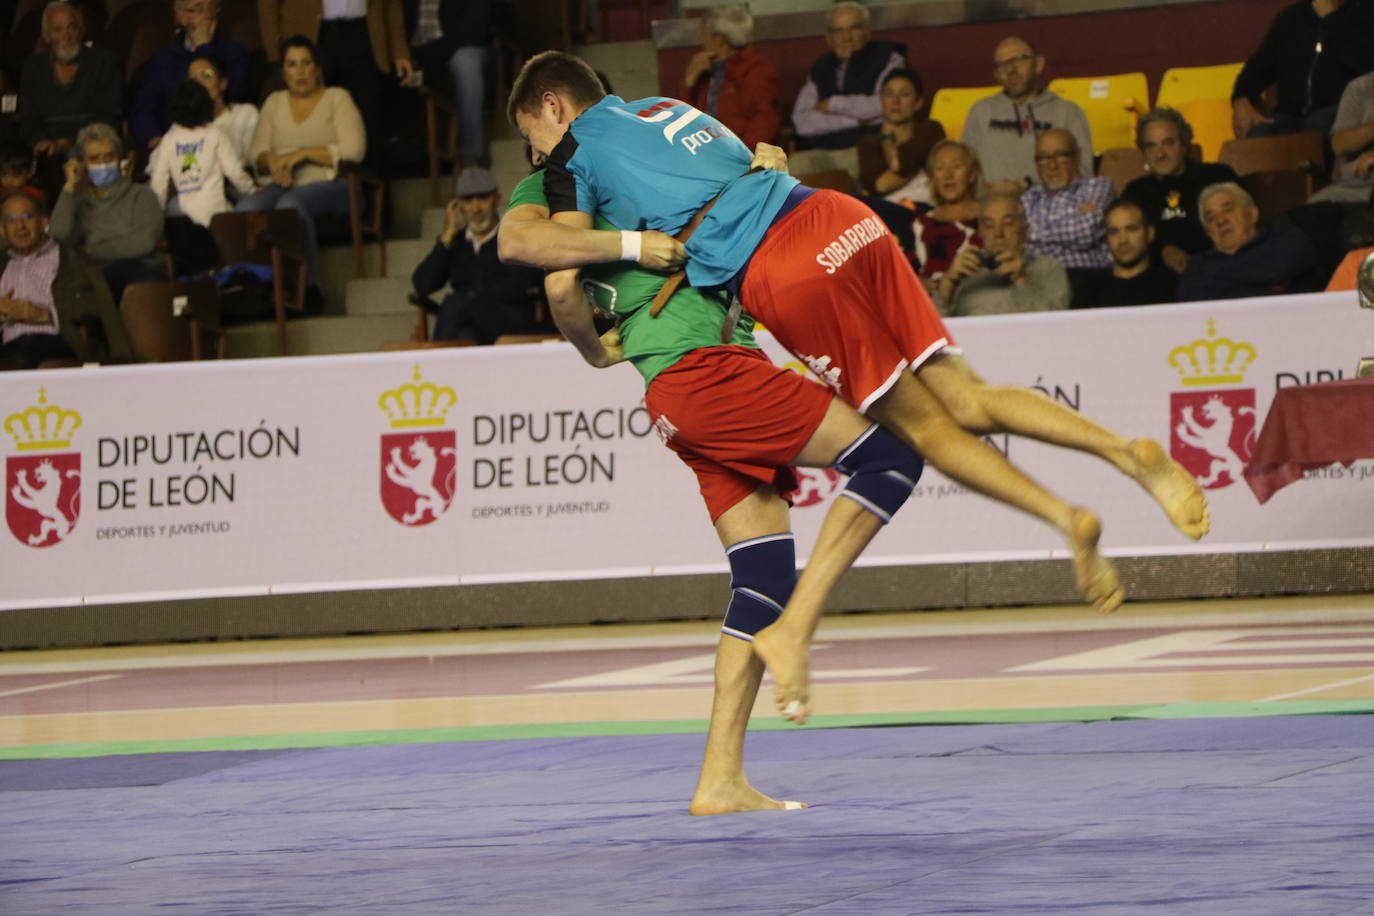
x: 1177, y: 493
x: 787, y: 655
x: 734, y: 798
x: 1094, y: 574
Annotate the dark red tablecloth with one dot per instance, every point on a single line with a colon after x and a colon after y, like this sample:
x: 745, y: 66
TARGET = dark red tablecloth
x: 1311, y: 426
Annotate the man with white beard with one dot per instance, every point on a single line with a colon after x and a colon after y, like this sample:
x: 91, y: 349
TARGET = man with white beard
x: 487, y: 298
x: 67, y: 85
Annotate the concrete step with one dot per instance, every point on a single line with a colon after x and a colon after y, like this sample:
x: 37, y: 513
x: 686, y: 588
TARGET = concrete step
x: 377, y: 296
x: 631, y: 66
x: 322, y: 335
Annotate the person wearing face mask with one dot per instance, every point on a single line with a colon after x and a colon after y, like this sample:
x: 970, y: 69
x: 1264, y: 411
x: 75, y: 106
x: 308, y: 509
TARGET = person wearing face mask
x: 67, y: 85
x: 116, y: 222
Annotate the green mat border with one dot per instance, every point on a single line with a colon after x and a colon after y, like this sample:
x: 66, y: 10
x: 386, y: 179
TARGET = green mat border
x: 684, y: 726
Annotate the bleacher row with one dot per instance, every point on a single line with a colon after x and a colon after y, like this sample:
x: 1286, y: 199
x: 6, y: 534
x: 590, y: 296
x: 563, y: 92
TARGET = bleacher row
x: 1281, y: 173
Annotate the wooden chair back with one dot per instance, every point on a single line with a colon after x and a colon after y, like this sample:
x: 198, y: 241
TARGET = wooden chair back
x: 170, y: 321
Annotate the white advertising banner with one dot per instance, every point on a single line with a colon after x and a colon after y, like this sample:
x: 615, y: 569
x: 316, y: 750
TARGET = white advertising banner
x: 521, y: 463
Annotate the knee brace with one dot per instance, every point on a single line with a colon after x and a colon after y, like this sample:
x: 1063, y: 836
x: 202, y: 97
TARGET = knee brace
x: 882, y: 471
x: 763, y: 572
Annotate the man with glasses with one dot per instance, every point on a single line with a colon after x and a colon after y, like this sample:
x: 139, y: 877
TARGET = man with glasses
x: 1003, y: 128
x: 1065, y: 211
x: 44, y: 287
x: 197, y: 35
x: 841, y: 99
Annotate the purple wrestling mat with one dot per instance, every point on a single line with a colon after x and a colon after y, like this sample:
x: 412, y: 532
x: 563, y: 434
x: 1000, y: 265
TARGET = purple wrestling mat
x: 1203, y: 816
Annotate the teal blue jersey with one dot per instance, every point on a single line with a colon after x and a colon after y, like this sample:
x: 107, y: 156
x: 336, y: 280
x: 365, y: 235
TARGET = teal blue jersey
x: 652, y: 164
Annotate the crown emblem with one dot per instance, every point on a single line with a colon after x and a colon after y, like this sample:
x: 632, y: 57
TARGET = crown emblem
x: 417, y: 404
x: 1212, y: 360
x: 42, y: 426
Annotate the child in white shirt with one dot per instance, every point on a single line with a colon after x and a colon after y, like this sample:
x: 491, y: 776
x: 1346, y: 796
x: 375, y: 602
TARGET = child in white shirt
x: 195, y: 158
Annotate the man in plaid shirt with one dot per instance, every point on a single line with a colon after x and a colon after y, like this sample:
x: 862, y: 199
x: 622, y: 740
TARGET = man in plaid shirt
x: 1065, y: 213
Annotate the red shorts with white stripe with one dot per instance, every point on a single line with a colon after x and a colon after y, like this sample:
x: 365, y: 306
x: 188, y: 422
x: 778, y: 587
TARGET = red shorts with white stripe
x: 736, y: 419
x: 830, y: 283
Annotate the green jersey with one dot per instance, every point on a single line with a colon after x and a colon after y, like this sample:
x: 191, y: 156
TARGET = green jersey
x: 623, y: 290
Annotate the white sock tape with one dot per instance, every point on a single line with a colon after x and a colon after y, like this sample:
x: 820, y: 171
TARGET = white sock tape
x: 631, y: 244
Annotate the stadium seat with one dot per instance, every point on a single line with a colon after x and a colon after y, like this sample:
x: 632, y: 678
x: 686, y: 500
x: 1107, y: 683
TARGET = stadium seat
x: 1122, y: 164
x: 270, y: 237
x: 1112, y: 104
x: 950, y: 107
x: 1303, y: 152
x: 1277, y: 191
x: 158, y: 334
x: 1203, y: 96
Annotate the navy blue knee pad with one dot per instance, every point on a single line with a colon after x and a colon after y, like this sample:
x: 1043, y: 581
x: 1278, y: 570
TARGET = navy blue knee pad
x: 763, y: 572
x: 882, y: 471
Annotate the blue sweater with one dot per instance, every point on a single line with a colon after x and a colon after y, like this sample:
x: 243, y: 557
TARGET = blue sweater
x: 1269, y: 263
x: 167, y: 69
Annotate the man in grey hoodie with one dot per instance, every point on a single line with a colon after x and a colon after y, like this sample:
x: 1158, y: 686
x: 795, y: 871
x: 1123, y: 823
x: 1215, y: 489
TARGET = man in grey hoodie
x: 1003, y: 128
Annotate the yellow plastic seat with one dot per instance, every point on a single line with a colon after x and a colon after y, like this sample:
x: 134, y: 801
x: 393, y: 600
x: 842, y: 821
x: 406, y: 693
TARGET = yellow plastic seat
x: 1112, y: 104
x: 950, y: 107
x: 1203, y: 96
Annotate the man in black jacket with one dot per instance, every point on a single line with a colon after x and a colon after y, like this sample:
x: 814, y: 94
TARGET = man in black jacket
x: 1311, y: 51
x: 487, y: 298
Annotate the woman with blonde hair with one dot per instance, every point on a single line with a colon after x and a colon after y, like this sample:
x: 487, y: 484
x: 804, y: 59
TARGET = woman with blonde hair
x: 942, y: 229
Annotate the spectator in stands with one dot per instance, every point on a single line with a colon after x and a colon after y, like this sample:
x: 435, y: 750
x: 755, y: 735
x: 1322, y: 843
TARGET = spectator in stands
x: 1312, y: 50
x: 198, y: 35
x: 1003, y: 128
x: 1352, y: 140
x: 115, y: 221
x: 1003, y: 278
x: 1065, y: 212
x: 196, y: 158
x: 487, y: 298
x: 943, y: 229
x: 304, y: 133
x: 449, y: 38
x: 840, y: 99
x: 1134, y: 277
x: 17, y: 168
x: 1245, y: 260
x: 1168, y: 195
x: 1346, y: 274
x: 67, y: 86
x: 730, y: 79
x: 356, y: 40
x: 238, y: 120
x: 890, y: 162
x: 45, y: 286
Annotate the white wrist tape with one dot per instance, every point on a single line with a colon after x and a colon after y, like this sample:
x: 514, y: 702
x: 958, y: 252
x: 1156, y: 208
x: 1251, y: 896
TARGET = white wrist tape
x: 631, y: 244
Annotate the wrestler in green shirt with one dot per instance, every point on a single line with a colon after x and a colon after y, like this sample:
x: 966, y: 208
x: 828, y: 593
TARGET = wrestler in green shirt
x: 623, y: 290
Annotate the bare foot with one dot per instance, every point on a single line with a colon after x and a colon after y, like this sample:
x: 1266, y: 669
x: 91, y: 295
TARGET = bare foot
x: 1095, y: 574
x: 730, y: 798
x: 1172, y: 487
x: 788, y: 660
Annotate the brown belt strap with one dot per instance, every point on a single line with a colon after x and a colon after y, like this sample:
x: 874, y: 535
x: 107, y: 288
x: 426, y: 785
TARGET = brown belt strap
x: 675, y: 278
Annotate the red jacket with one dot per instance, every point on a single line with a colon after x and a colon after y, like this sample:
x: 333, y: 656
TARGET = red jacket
x: 748, y: 97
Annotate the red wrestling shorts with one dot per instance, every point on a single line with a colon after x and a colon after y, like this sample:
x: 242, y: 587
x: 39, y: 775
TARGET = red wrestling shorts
x: 735, y: 419
x: 830, y: 283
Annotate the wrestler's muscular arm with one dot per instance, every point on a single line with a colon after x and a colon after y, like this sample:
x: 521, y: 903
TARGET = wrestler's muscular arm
x: 531, y: 238
x: 573, y: 315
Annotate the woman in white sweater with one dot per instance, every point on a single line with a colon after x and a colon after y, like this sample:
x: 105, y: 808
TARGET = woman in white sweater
x: 304, y: 132
x: 196, y: 158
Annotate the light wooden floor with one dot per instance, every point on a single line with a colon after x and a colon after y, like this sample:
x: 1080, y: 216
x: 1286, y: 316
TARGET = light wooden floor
x: 1264, y: 651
